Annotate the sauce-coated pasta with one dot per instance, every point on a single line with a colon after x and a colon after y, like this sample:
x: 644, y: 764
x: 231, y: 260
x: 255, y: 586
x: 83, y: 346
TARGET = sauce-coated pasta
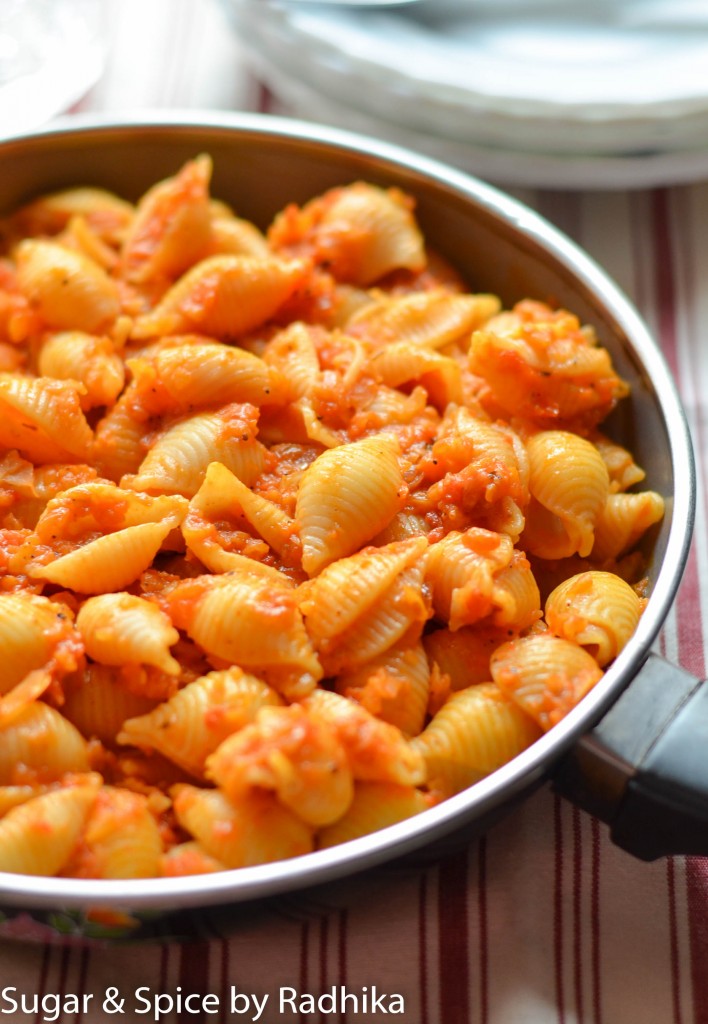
x: 298, y: 534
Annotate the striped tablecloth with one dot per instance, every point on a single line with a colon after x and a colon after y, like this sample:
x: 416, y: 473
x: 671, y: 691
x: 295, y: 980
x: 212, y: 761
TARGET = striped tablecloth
x: 542, y: 921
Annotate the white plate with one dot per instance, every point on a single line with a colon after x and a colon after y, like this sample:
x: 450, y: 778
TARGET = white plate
x: 499, y: 166
x: 612, y: 77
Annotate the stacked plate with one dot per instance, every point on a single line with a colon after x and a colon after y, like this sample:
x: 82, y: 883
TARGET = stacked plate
x: 554, y: 93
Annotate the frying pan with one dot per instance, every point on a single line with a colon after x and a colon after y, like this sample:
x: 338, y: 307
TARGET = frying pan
x: 633, y: 751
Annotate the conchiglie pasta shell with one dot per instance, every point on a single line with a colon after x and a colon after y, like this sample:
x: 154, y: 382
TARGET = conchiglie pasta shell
x: 91, y: 360
x: 462, y: 570
x: 346, y: 589
x: 199, y: 375
x: 394, y: 687
x: 368, y: 232
x: 188, y: 859
x: 98, y: 703
x: 377, y: 751
x: 101, y: 507
x: 430, y: 319
x: 15, y: 796
x: 223, y: 296
x: 29, y: 629
x: 42, y: 741
x: 389, y: 406
x: 376, y: 805
x: 254, y: 623
x: 526, y: 382
x: 192, y: 723
x: 475, y: 732
x: 120, y: 629
x: 171, y: 229
x: 288, y: 751
x: 108, y: 563
x: 403, y: 363
x: 622, y: 522
x: 121, y: 838
x: 516, y: 595
x: 256, y: 830
x: 401, y: 611
x: 238, y: 237
x: 545, y: 675
x: 597, y: 610
x: 346, y: 496
x: 42, y: 418
x: 178, y: 461
x: 120, y: 440
x: 38, y: 837
x: 497, y: 450
x: 569, y: 480
x: 292, y: 351
x: 70, y: 290
x: 464, y: 655
x: 106, y: 212
x: 222, y: 492
x: 623, y: 470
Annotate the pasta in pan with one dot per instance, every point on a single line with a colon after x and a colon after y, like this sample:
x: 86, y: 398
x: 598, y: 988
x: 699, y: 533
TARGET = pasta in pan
x: 298, y: 535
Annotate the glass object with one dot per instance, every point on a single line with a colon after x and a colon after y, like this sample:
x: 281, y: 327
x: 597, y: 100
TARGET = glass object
x: 51, y: 53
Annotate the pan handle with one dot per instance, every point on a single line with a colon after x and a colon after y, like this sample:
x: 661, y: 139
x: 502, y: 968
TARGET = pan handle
x: 643, y: 769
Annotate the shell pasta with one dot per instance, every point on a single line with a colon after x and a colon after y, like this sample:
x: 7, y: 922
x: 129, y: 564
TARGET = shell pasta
x: 299, y: 534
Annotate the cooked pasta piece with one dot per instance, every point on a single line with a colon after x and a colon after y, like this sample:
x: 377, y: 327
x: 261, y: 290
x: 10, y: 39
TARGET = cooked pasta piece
x: 293, y: 352
x: 464, y: 571
x: 188, y: 859
x: 90, y: 359
x: 546, y: 675
x: 120, y: 629
x: 37, y: 838
x: 569, y: 485
x: 402, y: 363
x: 121, y: 838
x: 476, y: 731
x: 251, y: 621
x: 432, y: 319
x: 463, y: 655
x: 542, y: 365
x: 71, y: 291
x: 109, y: 563
x: 200, y: 374
x: 256, y: 829
x: 194, y: 722
x: 39, y: 744
x: 376, y: 750
x: 108, y: 214
x: 226, y: 514
x: 375, y: 805
x: 289, y: 751
x: 98, y: 701
x: 42, y: 418
x: 623, y: 521
x: 597, y: 610
x: 171, y: 228
x: 359, y: 607
x: 35, y: 632
x: 360, y: 232
x: 394, y: 687
x: 178, y: 460
x: 346, y: 497
x: 223, y: 296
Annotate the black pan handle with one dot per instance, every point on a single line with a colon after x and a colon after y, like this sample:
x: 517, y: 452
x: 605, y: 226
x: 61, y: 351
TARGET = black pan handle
x: 644, y: 768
